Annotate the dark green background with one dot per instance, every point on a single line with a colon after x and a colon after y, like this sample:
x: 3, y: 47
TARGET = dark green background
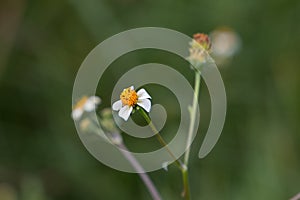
x: 42, y: 44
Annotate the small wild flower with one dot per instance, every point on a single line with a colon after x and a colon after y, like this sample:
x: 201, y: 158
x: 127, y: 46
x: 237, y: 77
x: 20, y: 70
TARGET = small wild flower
x: 199, y: 50
x: 132, y: 100
x: 129, y: 99
x: 85, y: 104
x: 203, y: 40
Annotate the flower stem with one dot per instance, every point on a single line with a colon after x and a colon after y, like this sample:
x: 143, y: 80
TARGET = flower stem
x: 193, y: 111
x: 193, y: 116
x: 160, y: 138
x: 186, y: 187
x: 144, y: 176
x: 116, y: 139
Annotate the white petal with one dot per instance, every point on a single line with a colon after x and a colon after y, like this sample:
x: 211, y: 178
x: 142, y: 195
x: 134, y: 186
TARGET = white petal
x: 89, y: 106
x: 96, y: 100
x: 117, y: 105
x: 131, y: 87
x: 145, y: 103
x: 77, y: 113
x: 125, y: 112
x: 142, y: 94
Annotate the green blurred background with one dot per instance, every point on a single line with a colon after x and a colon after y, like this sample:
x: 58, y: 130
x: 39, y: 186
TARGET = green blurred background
x: 42, y: 44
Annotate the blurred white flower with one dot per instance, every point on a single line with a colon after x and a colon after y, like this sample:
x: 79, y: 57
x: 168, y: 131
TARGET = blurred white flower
x: 85, y: 104
x: 225, y: 42
x: 129, y: 98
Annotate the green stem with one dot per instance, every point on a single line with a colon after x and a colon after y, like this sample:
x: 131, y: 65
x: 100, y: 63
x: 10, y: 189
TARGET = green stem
x: 193, y: 112
x: 186, y: 187
x: 193, y: 116
x: 160, y: 138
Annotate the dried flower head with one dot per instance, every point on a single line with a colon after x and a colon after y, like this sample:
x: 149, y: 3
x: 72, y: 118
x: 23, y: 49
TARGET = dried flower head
x: 203, y: 40
x: 199, y: 50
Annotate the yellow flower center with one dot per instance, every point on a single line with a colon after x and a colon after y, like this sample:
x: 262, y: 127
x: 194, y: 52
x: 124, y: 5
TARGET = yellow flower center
x: 80, y: 103
x: 129, y: 97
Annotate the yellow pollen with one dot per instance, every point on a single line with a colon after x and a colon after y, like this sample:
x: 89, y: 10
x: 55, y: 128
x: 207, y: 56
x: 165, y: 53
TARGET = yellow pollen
x: 129, y: 97
x: 80, y: 103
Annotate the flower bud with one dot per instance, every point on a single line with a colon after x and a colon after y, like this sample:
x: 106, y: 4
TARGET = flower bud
x: 199, y: 51
x: 203, y: 40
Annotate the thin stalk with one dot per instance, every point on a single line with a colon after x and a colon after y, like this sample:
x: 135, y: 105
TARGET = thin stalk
x: 181, y: 166
x: 186, y: 186
x: 144, y: 176
x: 193, y: 111
x: 160, y: 138
x: 193, y: 116
x: 116, y: 139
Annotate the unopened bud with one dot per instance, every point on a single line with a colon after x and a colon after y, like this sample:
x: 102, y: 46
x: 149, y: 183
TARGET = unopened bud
x: 199, y: 51
x: 203, y: 40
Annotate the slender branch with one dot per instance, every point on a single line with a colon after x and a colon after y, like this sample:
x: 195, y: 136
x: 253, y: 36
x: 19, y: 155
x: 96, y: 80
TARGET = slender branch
x: 144, y: 176
x: 117, y: 139
x: 186, y: 186
x: 182, y: 167
x: 193, y: 116
x: 160, y: 138
x: 193, y: 112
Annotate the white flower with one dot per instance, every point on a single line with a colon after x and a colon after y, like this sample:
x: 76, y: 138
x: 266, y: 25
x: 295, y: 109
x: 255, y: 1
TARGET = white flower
x: 225, y: 42
x: 129, y: 98
x: 85, y: 104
